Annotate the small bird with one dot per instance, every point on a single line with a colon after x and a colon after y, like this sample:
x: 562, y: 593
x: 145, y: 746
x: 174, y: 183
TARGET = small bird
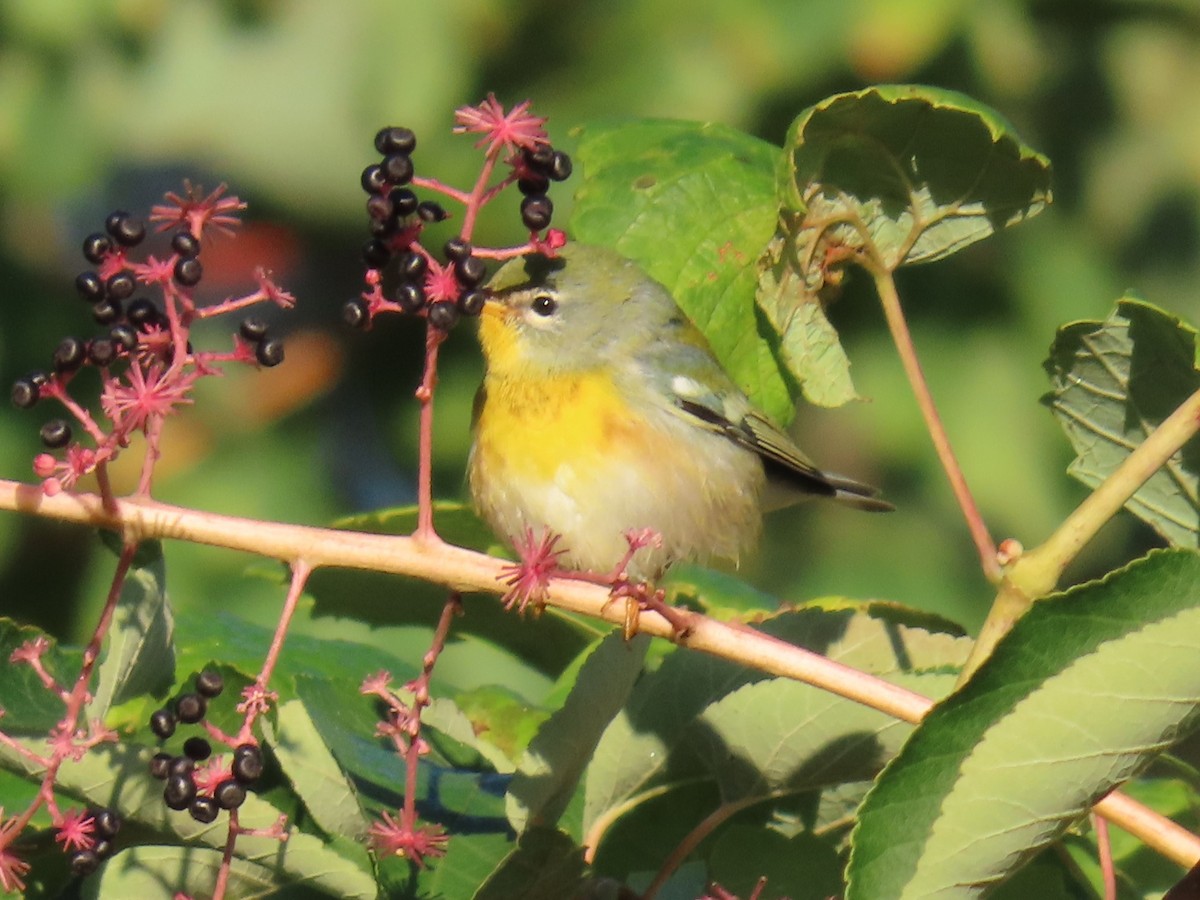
x: 604, y: 411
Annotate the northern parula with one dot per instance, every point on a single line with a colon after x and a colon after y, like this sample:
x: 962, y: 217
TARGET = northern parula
x: 604, y: 410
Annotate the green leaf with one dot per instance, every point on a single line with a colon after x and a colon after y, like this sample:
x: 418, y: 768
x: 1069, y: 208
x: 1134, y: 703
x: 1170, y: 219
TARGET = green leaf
x: 1114, y: 382
x: 139, y: 656
x: 552, y: 766
x: 313, y: 772
x: 701, y: 717
x: 695, y: 204
x: 546, y: 865
x: 1078, y: 697
x: 909, y: 173
x: 803, y: 867
x: 29, y: 707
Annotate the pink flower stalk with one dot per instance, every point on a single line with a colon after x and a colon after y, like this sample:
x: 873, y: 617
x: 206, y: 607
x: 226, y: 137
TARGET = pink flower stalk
x: 12, y: 870
x: 145, y: 395
x: 196, y: 212
x: 516, y: 130
x: 389, y: 837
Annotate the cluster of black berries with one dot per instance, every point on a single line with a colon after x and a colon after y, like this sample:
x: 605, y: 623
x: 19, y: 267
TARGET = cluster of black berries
x: 267, y: 350
x: 180, y: 791
x: 391, y: 204
x: 105, y: 825
x: 540, y: 166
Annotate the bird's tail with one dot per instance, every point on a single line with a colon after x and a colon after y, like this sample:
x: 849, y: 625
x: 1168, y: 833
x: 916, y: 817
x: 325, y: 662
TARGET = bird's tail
x: 856, y: 494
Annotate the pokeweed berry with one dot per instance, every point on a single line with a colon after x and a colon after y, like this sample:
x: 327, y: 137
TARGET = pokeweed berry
x: 404, y: 202
x: 106, y: 311
x: 124, y: 336
x: 247, y: 763
x: 106, y: 822
x: 190, y: 708
x: 55, y: 434
x: 179, y: 792
x: 413, y: 266
x: 269, y: 353
x: 431, y: 211
x: 84, y: 862
x: 204, y: 810
x: 125, y: 229
x: 397, y: 168
x: 230, y: 794
x: 443, y: 315
x: 162, y: 723
x: 90, y: 286
x: 536, y: 210
x: 96, y: 246
x: 197, y: 749
x: 209, y: 683
x: 120, y: 285
x: 69, y: 354
x: 395, y: 139
x: 142, y: 313
x: 380, y: 208
x: 410, y: 297
x: 372, y: 179
x: 160, y: 765
x: 540, y: 158
x: 457, y: 249
x: 560, y: 167
x: 25, y: 393
x: 101, y: 351
x: 181, y: 765
x: 253, y: 329
x: 470, y: 271
x: 375, y: 253
x: 185, y: 243
x: 537, y: 185
x: 188, y: 271
x: 356, y: 313
x: 103, y: 848
x: 470, y: 303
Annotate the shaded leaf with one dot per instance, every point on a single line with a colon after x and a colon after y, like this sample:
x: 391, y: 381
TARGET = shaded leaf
x: 29, y: 707
x: 695, y: 204
x: 557, y: 757
x: 546, y: 865
x: 1077, y: 698
x: 1114, y: 382
x: 139, y: 652
x: 803, y: 867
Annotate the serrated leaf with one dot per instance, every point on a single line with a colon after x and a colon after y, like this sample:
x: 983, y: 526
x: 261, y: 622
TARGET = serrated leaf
x: 652, y: 741
x: 1114, y: 382
x: 313, y: 772
x: 917, y: 173
x: 139, y: 654
x: 1076, y: 699
x: 695, y: 204
x: 557, y: 757
x: 546, y: 865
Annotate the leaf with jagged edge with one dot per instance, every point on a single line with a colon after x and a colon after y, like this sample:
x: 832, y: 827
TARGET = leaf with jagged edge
x: 898, y: 174
x: 1080, y: 696
x: 1114, y: 382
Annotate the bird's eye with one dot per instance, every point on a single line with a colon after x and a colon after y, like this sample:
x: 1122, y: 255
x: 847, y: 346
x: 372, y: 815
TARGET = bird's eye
x: 544, y: 305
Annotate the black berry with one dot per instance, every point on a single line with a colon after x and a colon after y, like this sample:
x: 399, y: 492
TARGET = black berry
x: 253, y: 329
x: 409, y: 296
x: 540, y: 158
x: 395, y: 139
x: 209, y: 683
x: 124, y: 335
x: 413, y: 266
x: 269, y: 353
x: 103, y: 848
x: 204, y: 809
x: 560, y: 167
x: 120, y: 286
x: 101, y: 351
x: 443, y: 315
x: 181, y: 765
x: 106, y: 311
x: 537, y: 185
x: 229, y: 795
x: 373, y: 181
x: 69, y: 354
x: 84, y: 862
x: 355, y: 313
x: 457, y: 249
x: 183, y: 243
x: 536, y: 210
x: 106, y: 822
x: 398, y: 168
x: 125, y: 229
x: 404, y: 202
x: 190, y: 708
x: 142, y: 312
x: 90, y: 286
x: 470, y: 303
x: 431, y: 211
x: 380, y: 208
x: 160, y: 765
x: 55, y: 434
x: 179, y: 792
x: 197, y: 749
x: 188, y: 271
x: 162, y: 723
x: 25, y: 393
x: 470, y: 271
x: 375, y: 253
x: 247, y: 763
x: 96, y: 247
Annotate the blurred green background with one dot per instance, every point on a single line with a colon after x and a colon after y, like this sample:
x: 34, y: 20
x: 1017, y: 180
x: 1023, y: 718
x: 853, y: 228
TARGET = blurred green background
x: 107, y: 104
